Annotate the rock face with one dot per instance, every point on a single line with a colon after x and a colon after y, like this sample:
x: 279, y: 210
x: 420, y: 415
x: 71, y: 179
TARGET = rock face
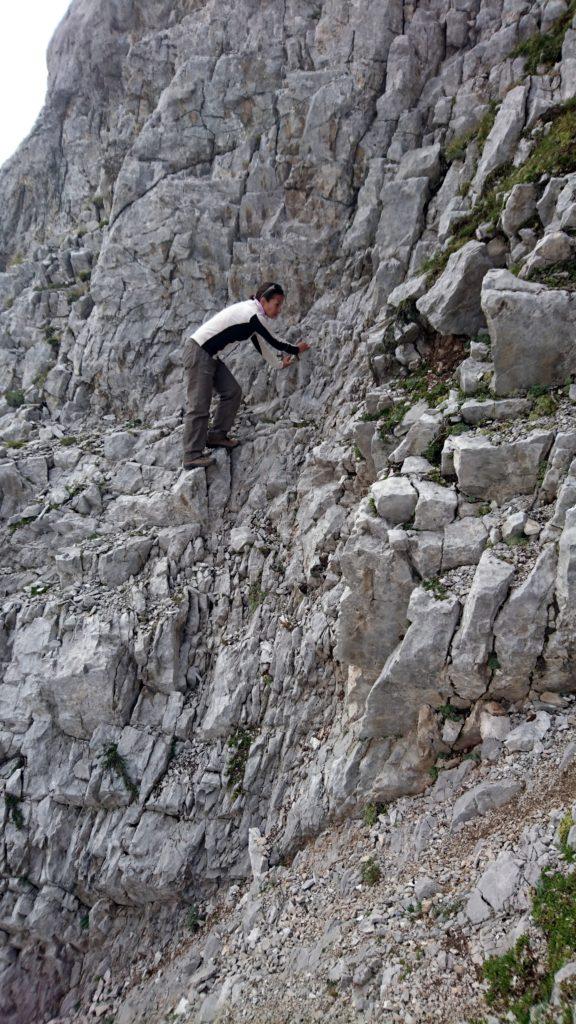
x: 200, y: 671
x: 544, y: 354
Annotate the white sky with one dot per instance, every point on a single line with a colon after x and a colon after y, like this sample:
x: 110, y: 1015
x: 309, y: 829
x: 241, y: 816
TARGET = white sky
x: 26, y: 27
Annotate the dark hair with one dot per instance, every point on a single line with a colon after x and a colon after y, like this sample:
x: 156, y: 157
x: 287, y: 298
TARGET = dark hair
x: 268, y: 290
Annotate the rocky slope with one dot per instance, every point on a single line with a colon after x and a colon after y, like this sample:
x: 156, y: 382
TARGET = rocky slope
x: 198, y: 665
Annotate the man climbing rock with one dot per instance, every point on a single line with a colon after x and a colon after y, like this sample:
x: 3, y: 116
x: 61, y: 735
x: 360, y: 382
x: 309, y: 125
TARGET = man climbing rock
x: 205, y: 371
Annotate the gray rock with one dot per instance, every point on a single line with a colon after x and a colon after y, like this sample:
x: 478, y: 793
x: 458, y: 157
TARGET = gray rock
x: 473, y: 641
x: 514, y: 525
x: 395, y: 499
x: 436, y: 506
x: 452, y: 305
x: 555, y: 247
x: 559, y: 460
x: 497, y: 472
x: 401, y: 218
x: 476, y: 412
x: 464, y: 542
x: 117, y: 565
x: 520, y: 207
x: 496, y: 888
x: 563, y: 984
x: 494, y: 727
x: 483, y: 798
x: 501, y: 143
x: 373, y: 607
x: 544, y: 355
x: 525, y: 736
x: 421, y: 163
x: 420, y: 435
x: 520, y: 629
x: 474, y: 375
x: 412, y: 288
x: 425, y: 887
x: 414, y: 668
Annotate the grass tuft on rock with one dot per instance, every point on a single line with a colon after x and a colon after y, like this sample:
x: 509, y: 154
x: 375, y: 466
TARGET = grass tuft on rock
x: 554, y: 153
x: 371, y: 813
x: 14, y: 398
x: 521, y: 979
x: 112, y: 761
x: 239, y: 744
x: 563, y: 833
x: 456, y: 148
x: 545, y: 49
x: 14, y: 812
x: 561, y: 275
x: 392, y: 418
x: 435, y: 587
x: 371, y: 873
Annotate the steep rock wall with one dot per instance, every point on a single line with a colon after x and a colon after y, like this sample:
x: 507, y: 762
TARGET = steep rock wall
x: 189, y: 656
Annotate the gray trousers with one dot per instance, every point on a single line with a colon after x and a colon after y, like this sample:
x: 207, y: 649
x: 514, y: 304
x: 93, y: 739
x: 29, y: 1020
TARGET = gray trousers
x: 204, y: 374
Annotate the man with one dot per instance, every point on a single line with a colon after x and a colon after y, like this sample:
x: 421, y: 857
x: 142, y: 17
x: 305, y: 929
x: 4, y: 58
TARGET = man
x: 205, y: 372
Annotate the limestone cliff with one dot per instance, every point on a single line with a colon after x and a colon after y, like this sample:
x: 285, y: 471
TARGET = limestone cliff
x: 305, y: 627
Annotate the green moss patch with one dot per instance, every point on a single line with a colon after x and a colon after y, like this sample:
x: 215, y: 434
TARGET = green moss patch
x: 554, y: 153
x: 522, y: 979
x: 557, y: 275
x: 239, y: 744
x: 545, y: 49
x: 456, y: 148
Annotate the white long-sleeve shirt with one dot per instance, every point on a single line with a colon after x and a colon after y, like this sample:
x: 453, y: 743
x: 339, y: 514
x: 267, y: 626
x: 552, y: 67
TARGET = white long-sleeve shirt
x: 238, y: 322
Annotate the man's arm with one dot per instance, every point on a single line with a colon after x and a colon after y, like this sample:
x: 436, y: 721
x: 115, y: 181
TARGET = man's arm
x: 280, y: 346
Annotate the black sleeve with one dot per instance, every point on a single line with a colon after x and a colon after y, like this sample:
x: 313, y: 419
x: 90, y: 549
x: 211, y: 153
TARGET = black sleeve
x: 281, y: 346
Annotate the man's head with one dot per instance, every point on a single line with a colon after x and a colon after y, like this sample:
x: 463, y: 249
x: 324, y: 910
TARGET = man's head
x: 271, y: 297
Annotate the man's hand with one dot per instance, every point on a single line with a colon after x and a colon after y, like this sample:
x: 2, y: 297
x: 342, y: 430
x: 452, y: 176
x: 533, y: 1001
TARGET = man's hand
x: 303, y: 346
x: 286, y: 361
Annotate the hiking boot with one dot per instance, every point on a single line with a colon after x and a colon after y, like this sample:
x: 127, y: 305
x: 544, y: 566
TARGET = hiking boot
x: 221, y: 441
x: 201, y: 462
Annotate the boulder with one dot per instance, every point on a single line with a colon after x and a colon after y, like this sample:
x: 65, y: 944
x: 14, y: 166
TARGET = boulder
x: 496, y: 888
x: 436, y: 505
x: 473, y: 642
x: 525, y: 736
x: 426, y: 552
x: 560, y: 651
x: 489, y: 471
x: 402, y: 217
x: 544, y: 354
x: 474, y: 374
x: 119, y: 564
x: 513, y: 525
x: 418, y: 438
x: 395, y: 499
x: 452, y: 305
x: 520, y: 207
x: 464, y: 542
x: 520, y: 629
x: 500, y: 146
x: 556, y: 247
x: 485, y: 797
x: 421, y: 163
x: 410, y: 677
x: 475, y: 412
x: 412, y: 288
x: 373, y: 607
x: 559, y: 461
